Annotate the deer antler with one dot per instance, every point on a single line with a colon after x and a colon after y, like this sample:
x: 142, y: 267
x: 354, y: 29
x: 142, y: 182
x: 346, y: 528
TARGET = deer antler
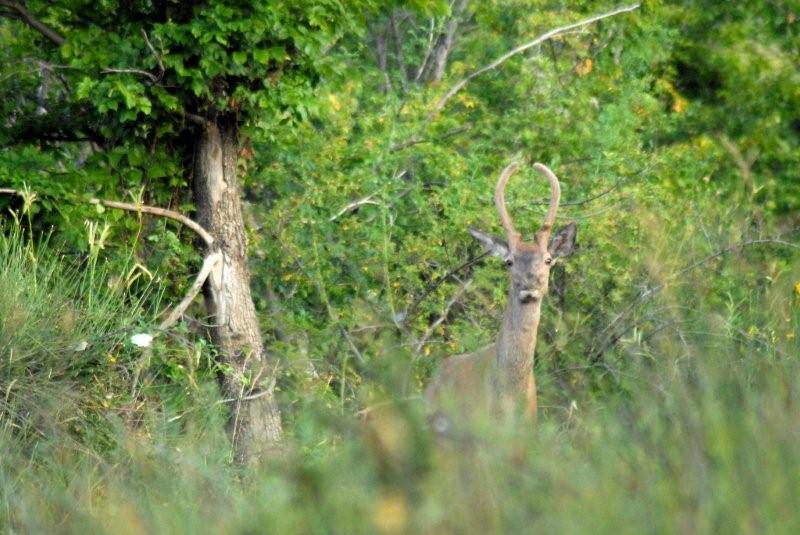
x: 555, y: 197
x: 500, y: 203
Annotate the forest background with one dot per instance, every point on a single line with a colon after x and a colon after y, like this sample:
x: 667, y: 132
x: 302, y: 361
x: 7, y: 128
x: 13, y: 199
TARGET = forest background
x: 363, y: 138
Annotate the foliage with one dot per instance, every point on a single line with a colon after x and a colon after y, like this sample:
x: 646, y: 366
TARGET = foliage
x: 667, y: 353
x: 702, y: 436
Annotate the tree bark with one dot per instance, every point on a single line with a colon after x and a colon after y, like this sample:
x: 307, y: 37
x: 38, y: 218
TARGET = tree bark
x: 446, y: 41
x: 254, y: 424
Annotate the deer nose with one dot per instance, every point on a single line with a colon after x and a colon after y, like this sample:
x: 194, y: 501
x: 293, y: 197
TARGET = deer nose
x: 533, y: 280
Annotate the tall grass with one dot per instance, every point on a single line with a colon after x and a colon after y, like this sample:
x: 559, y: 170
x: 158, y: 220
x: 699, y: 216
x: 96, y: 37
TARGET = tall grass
x: 699, y: 435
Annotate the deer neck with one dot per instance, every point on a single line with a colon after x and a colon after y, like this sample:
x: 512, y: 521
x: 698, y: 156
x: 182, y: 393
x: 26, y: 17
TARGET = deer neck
x: 515, y: 344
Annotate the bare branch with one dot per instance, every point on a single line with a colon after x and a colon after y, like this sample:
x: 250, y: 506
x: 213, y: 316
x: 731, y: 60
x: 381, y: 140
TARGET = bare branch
x: 522, y: 48
x: 743, y: 163
x: 33, y: 22
x: 162, y: 212
x: 153, y: 78
x: 380, y: 52
x: 209, y: 263
x: 354, y: 205
x: 587, y: 200
x: 352, y: 345
x: 199, y: 120
x: 141, y: 208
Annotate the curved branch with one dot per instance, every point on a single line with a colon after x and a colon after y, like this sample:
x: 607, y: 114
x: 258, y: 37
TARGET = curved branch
x: 162, y: 212
x: 142, y: 208
x: 209, y: 263
x: 152, y: 77
x: 522, y: 48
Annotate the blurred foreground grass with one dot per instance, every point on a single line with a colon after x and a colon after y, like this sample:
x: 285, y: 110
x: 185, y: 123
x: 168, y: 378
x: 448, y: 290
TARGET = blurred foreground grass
x: 700, y: 433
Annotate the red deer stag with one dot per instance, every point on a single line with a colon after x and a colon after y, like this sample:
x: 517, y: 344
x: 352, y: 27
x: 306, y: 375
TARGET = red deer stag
x: 499, y: 378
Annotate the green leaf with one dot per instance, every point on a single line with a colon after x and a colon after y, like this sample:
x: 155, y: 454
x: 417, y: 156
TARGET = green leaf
x: 240, y: 57
x: 261, y: 56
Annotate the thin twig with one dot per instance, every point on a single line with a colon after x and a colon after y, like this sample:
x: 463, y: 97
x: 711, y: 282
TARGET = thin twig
x: 603, y: 193
x: 195, y: 118
x: 438, y: 282
x: 394, y: 27
x: 650, y: 293
x: 427, y: 55
x: 432, y: 327
x: 417, y: 140
x: 743, y: 163
x: 352, y: 344
x: 266, y: 392
x: 153, y: 50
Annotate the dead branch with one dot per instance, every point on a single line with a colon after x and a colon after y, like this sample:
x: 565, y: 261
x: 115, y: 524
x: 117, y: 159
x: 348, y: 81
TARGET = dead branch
x: 352, y: 344
x: 209, y: 263
x: 458, y: 86
x: 153, y: 78
x: 380, y: 52
x: 587, y: 200
x: 141, y: 208
x: 351, y: 207
x: 162, y: 212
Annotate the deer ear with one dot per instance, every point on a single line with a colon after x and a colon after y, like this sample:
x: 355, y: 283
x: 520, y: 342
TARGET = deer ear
x: 491, y: 244
x: 563, y: 242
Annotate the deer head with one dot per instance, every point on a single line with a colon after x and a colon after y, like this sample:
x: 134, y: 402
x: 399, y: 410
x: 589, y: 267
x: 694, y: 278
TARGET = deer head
x: 528, y: 263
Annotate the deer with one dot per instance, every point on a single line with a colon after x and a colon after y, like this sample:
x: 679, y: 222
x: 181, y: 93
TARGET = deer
x: 500, y: 378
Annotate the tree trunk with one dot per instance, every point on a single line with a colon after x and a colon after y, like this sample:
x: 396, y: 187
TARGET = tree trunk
x: 444, y: 44
x: 254, y: 424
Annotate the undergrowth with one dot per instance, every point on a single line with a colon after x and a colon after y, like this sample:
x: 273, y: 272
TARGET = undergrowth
x: 98, y: 435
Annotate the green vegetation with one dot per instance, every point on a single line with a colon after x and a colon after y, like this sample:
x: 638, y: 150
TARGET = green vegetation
x: 667, y: 361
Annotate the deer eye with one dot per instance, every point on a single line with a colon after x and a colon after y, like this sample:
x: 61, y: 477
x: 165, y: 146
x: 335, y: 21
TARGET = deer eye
x: 509, y: 262
x: 548, y: 260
